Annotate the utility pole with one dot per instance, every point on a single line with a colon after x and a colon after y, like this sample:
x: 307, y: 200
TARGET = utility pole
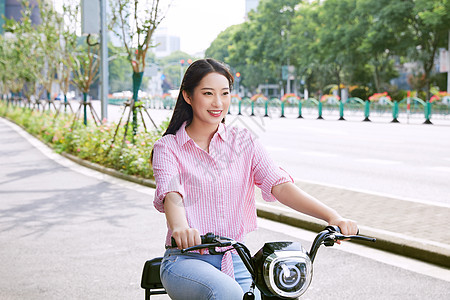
x: 448, y: 63
x: 104, y: 61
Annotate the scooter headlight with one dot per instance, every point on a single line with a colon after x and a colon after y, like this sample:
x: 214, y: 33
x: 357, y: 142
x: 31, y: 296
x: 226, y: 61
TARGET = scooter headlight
x: 288, y: 273
x: 284, y: 269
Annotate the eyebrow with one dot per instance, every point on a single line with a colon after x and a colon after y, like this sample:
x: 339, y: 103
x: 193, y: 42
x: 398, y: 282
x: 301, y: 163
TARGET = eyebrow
x: 208, y: 88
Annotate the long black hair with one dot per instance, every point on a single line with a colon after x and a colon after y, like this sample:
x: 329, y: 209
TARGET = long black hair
x: 194, y: 74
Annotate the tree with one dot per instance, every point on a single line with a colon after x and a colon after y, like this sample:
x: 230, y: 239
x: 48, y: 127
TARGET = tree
x: 49, y: 43
x: 134, y: 22
x: 303, y: 47
x: 5, y: 55
x: 429, y: 25
x: 24, y: 55
x: 68, y: 46
x: 219, y: 47
x: 173, y: 68
x: 85, y: 66
x: 271, y: 35
x: 120, y: 70
x: 337, y: 38
x: 240, y: 58
x: 384, y: 37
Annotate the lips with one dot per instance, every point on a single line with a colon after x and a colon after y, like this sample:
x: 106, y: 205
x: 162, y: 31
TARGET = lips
x: 215, y: 113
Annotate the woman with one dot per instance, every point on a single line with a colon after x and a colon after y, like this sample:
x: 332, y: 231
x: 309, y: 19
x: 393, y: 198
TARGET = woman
x: 205, y: 175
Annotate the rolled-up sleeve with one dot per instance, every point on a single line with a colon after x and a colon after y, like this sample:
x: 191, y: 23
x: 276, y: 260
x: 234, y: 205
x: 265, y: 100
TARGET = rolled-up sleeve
x: 166, y: 172
x: 266, y: 173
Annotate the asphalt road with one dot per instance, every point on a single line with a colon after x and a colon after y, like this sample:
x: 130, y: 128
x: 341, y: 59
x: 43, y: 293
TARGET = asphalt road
x: 71, y: 233
x: 407, y: 161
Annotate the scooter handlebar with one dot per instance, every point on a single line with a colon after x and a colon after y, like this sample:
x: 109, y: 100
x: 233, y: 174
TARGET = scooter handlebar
x: 336, y: 235
x: 330, y: 235
x: 209, y: 240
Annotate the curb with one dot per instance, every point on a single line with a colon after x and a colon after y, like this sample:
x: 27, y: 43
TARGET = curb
x: 423, y: 250
x: 394, y: 243
x: 109, y: 171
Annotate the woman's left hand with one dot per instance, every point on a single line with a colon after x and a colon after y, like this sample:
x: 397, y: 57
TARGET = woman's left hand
x: 347, y: 226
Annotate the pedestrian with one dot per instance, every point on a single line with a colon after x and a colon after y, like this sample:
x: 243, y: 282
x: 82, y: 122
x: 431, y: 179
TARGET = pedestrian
x: 205, y: 175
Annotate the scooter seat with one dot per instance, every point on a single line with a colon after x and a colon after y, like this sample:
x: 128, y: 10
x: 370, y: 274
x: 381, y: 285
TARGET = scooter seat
x: 150, y: 274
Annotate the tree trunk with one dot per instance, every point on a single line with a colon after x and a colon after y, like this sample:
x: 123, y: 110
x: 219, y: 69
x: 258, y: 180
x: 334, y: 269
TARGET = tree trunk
x: 338, y: 77
x: 85, y: 95
x: 137, y: 81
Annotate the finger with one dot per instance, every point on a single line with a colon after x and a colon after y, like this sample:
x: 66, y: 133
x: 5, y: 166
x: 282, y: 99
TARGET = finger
x: 179, y: 242
x: 184, y: 241
x: 344, y: 229
x: 197, y: 239
x: 190, y: 236
x: 353, y: 228
x: 177, y: 239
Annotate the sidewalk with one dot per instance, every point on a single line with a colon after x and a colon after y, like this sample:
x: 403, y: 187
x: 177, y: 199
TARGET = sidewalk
x: 411, y: 229
x: 70, y: 234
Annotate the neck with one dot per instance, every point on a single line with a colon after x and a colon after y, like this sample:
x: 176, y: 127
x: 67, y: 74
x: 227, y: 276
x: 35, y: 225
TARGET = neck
x: 201, y: 134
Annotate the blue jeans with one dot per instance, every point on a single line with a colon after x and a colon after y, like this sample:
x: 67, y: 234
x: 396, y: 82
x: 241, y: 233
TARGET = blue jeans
x: 194, y: 276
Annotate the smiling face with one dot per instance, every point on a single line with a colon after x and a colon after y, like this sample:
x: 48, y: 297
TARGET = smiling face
x: 210, y: 100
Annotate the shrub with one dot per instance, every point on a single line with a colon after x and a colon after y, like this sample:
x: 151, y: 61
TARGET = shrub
x: 130, y: 155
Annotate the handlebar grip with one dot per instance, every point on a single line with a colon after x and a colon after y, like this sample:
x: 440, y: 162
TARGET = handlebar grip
x: 337, y: 229
x: 363, y: 238
x: 207, y: 238
x: 338, y: 236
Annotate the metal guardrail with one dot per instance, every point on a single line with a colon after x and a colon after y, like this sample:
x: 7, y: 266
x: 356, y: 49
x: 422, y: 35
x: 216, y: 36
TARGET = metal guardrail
x: 262, y: 106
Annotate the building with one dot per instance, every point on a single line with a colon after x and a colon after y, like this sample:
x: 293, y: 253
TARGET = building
x: 12, y: 9
x: 165, y: 43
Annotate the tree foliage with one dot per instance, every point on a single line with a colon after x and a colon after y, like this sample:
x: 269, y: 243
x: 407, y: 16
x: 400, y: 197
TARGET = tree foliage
x: 341, y: 42
x: 134, y: 22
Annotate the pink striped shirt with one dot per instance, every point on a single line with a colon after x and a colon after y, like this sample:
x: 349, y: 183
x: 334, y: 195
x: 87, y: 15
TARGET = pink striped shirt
x: 217, y: 187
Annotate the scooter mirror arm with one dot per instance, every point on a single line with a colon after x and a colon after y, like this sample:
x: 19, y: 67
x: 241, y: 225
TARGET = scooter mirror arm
x: 329, y: 236
x: 316, y: 244
x: 245, y: 256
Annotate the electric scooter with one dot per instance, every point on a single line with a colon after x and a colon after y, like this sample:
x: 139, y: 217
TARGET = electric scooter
x: 280, y: 270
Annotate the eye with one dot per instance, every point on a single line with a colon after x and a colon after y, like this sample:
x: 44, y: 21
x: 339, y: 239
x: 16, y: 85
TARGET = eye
x: 207, y: 93
x: 226, y: 93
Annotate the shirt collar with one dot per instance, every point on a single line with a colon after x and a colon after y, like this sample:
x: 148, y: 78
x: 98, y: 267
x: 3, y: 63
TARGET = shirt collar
x: 222, y: 131
x: 182, y: 136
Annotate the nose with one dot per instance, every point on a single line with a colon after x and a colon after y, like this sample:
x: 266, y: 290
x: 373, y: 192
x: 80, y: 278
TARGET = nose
x: 217, y: 102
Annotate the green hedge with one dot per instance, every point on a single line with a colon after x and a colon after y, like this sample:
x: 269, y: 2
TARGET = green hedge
x: 91, y: 142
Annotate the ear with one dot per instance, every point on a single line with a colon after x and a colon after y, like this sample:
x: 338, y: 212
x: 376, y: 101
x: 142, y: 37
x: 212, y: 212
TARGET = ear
x: 186, y: 97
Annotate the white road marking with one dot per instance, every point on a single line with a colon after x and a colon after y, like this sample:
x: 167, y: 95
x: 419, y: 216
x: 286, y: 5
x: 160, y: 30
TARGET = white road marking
x: 440, y: 169
x: 378, y: 161
x: 440, y: 204
x: 371, y: 253
x: 317, y: 154
x: 271, y: 149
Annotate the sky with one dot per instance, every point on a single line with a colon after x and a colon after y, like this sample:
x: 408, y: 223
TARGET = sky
x: 197, y: 22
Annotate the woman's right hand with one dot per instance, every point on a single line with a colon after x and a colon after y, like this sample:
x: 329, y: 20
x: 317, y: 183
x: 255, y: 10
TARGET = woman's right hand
x: 183, y: 235
x: 186, y: 237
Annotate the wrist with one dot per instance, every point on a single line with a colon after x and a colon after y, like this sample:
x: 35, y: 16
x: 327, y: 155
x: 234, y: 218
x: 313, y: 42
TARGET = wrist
x: 333, y: 217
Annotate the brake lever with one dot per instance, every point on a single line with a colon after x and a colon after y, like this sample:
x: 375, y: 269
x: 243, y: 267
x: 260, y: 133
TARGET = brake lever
x: 333, y: 237
x: 211, y: 247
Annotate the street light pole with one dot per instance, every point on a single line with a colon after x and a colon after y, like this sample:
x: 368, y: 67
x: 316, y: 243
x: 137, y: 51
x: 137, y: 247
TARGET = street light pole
x: 104, y: 61
x: 448, y: 64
